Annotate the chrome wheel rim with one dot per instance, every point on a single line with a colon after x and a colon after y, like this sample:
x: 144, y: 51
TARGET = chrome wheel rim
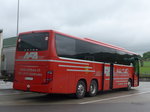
x: 129, y: 84
x: 80, y: 89
x: 93, y: 88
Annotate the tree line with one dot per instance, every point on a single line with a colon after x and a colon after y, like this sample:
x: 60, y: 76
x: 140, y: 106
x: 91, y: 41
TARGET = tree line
x: 145, y: 57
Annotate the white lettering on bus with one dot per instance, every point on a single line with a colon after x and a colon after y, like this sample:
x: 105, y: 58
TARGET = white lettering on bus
x: 122, y: 71
x: 31, y: 55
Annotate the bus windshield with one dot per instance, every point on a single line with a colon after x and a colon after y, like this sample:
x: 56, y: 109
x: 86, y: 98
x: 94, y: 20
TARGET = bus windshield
x: 33, y: 42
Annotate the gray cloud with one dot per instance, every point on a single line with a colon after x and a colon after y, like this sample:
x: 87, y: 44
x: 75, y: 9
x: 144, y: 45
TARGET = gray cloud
x: 122, y: 23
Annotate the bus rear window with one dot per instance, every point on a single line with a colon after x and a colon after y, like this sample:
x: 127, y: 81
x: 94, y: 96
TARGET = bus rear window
x: 33, y: 42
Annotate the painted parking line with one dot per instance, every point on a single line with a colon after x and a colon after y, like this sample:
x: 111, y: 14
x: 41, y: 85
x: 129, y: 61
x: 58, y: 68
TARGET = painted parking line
x: 113, y: 98
x: 9, y: 94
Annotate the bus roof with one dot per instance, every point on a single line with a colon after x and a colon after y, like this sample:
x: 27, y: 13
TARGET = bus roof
x: 109, y: 45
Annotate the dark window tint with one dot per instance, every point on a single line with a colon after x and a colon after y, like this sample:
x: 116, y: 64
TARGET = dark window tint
x: 84, y: 50
x: 33, y: 42
x: 79, y: 49
x: 94, y: 52
x: 123, y: 58
x: 65, y: 46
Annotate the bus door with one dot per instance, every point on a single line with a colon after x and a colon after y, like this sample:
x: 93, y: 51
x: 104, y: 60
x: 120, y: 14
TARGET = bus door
x: 136, y: 72
x: 107, y: 77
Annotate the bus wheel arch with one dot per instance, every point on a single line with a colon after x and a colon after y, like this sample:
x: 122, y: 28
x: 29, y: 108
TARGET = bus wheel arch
x: 93, y: 89
x: 81, y: 88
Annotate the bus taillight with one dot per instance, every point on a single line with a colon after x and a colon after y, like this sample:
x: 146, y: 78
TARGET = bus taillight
x: 49, y: 76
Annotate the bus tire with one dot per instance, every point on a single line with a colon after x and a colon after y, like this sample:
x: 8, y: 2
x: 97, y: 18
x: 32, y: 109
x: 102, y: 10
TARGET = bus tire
x: 80, y: 89
x: 93, y: 89
x: 129, y: 85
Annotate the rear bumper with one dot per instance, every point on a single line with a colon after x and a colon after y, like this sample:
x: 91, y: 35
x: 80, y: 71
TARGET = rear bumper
x: 42, y: 88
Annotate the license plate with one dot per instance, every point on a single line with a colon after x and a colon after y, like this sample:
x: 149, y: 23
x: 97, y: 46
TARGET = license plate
x: 29, y: 78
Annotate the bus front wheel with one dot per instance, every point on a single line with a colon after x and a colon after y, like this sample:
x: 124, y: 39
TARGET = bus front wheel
x: 129, y: 85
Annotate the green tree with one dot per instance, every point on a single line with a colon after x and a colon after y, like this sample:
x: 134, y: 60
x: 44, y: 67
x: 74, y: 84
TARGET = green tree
x: 146, y: 55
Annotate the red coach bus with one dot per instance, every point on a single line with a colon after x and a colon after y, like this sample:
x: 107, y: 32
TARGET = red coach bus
x: 52, y: 62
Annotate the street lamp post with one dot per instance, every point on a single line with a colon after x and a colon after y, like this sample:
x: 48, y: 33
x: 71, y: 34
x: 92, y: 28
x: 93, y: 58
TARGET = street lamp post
x: 18, y: 11
x: 1, y: 46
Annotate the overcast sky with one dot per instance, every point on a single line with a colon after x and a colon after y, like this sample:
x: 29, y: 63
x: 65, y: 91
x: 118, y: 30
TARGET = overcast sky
x: 125, y: 23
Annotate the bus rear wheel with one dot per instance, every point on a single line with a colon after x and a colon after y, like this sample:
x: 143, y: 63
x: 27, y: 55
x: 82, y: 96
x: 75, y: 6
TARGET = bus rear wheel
x: 93, y: 88
x: 80, y: 89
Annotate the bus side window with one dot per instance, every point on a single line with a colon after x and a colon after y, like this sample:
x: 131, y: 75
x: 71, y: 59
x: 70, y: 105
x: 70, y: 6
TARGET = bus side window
x: 91, y: 58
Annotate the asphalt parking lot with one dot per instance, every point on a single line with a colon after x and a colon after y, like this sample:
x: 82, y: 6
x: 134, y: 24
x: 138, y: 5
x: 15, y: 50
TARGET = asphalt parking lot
x: 136, y: 99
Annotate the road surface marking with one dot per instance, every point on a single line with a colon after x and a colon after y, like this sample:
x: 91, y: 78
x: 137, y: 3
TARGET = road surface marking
x: 13, y: 94
x: 112, y: 98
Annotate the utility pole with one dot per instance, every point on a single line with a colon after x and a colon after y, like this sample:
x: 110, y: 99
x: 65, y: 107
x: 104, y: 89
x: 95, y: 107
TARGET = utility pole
x: 1, y: 46
x: 18, y: 13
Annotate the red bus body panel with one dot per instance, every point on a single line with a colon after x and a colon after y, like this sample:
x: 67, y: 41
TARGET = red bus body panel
x: 30, y: 75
